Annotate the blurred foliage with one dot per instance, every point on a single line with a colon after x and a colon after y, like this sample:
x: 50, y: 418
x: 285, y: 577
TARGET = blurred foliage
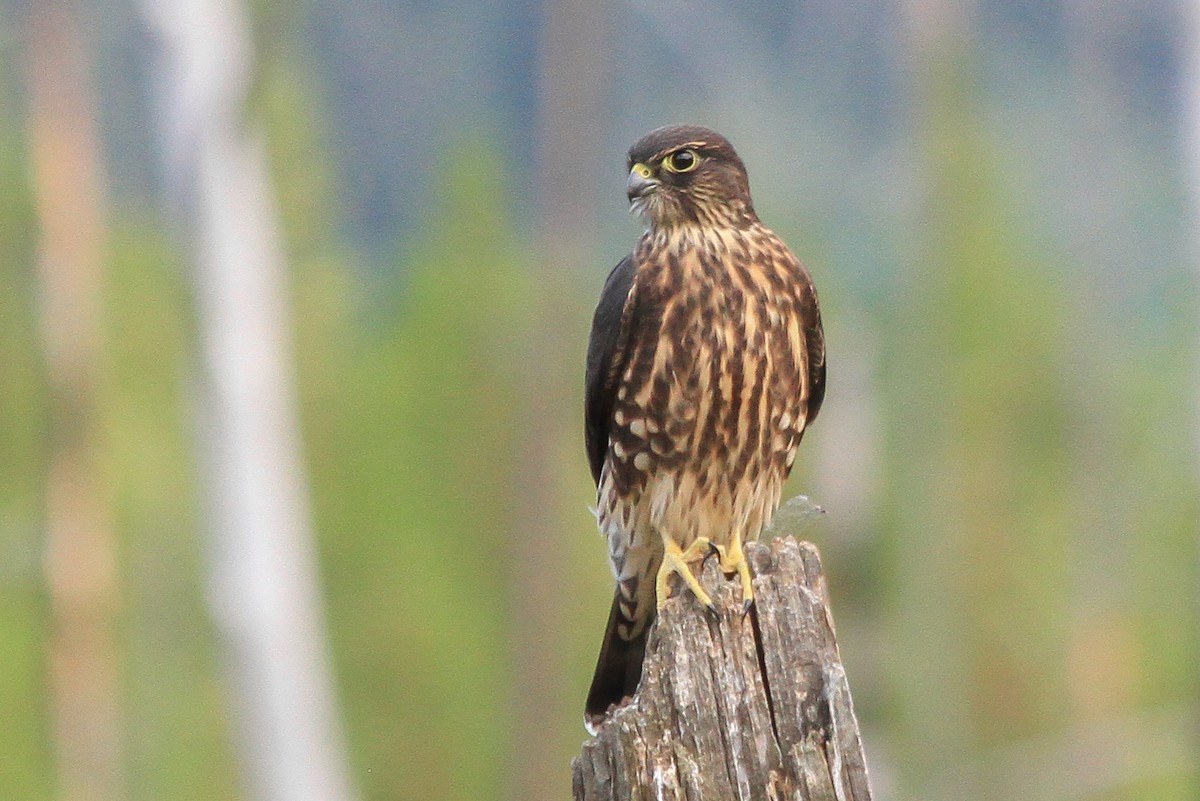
x: 23, y: 740
x: 410, y: 451
x: 1019, y: 595
x: 409, y: 438
x: 979, y: 454
x: 178, y: 732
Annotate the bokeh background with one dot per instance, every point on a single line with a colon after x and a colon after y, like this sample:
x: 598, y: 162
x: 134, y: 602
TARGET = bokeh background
x: 294, y: 299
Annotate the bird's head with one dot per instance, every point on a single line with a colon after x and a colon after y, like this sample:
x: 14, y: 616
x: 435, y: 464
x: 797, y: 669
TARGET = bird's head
x: 685, y: 174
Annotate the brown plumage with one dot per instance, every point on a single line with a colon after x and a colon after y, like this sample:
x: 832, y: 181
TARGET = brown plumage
x: 705, y: 365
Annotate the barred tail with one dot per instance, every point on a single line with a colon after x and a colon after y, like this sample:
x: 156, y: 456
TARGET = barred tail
x: 619, y: 668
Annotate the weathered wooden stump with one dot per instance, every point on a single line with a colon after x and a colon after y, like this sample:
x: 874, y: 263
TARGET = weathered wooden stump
x: 734, y: 707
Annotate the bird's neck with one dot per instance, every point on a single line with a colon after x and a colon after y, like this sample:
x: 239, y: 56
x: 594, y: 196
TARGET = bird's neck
x: 674, y: 214
x: 683, y: 237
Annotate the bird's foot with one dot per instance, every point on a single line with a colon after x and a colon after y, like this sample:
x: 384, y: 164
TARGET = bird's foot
x: 733, y: 560
x: 678, y: 561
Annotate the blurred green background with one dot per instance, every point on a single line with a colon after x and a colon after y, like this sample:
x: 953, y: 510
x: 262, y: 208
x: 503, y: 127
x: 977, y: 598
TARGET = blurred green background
x: 997, y: 202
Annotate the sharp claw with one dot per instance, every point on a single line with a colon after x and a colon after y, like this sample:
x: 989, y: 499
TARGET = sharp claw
x: 676, y: 561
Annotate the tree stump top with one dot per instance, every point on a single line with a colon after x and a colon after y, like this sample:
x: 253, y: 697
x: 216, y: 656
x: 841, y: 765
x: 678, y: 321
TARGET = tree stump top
x: 736, y: 707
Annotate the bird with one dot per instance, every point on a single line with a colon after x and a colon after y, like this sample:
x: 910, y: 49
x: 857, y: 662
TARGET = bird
x: 705, y: 365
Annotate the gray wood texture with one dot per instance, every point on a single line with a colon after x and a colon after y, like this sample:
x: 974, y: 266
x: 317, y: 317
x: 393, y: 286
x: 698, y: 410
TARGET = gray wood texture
x: 736, y: 707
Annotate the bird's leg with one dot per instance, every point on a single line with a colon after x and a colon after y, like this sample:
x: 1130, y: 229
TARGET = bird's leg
x: 733, y: 560
x: 676, y: 560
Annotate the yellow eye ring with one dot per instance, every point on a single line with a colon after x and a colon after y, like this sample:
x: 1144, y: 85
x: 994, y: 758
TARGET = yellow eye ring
x: 682, y: 161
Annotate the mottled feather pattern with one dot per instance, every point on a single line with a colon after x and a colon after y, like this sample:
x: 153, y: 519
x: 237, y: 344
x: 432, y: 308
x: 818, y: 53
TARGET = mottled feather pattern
x: 713, y: 398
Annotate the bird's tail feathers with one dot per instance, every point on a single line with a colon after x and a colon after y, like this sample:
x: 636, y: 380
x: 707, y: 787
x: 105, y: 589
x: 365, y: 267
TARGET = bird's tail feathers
x: 619, y: 667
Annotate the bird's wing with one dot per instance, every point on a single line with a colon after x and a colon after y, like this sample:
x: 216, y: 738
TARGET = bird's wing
x: 814, y: 340
x: 606, y: 354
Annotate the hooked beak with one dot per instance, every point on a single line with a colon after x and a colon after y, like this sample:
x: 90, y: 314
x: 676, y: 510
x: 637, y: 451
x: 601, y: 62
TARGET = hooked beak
x: 641, y: 182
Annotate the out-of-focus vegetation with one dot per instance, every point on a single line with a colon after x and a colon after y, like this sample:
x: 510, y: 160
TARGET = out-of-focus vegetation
x: 1014, y: 556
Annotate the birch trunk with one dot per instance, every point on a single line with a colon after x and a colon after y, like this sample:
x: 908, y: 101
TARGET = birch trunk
x: 263, y: 582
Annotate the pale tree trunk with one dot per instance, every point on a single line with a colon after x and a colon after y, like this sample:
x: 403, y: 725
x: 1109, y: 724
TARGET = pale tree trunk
x: 80, y: 557
x: 263, y: 583
x: 1191, y: 122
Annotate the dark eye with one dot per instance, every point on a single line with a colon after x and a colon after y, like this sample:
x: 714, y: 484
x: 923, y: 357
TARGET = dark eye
x: 682, y: 161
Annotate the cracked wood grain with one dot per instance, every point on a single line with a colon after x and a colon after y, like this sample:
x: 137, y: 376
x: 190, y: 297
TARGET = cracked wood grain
x: 736, y: 707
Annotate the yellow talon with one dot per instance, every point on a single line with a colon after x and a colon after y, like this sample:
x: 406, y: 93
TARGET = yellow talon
x: 733, y: 560
x: 676, y: 560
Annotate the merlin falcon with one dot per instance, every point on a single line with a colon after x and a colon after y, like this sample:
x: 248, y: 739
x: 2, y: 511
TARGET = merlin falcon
x: 706, y: 363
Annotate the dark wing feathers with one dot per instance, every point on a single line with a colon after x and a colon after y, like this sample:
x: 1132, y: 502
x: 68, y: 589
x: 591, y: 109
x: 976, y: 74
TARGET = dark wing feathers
x: 605, y: 361
x: 814, y: 341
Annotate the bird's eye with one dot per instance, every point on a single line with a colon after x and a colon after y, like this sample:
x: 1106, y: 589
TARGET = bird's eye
x: 682, y: 161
